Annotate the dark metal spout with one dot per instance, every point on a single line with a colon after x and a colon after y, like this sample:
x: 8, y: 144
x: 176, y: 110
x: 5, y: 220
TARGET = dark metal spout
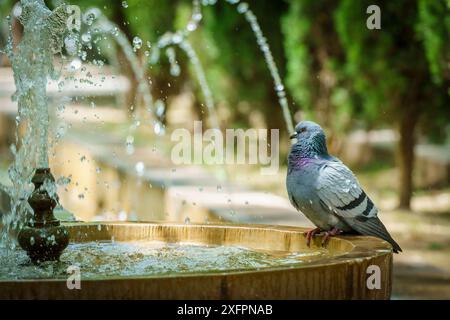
x: 43, y: 238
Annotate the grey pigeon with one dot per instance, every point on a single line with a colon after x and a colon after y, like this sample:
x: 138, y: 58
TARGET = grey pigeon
x: 327, y: 192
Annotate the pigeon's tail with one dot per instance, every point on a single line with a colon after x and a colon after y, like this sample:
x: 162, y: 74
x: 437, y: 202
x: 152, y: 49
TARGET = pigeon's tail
x: 374, y: 227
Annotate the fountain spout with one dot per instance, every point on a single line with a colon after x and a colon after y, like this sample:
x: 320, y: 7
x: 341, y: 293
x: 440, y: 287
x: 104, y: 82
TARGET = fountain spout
x: 44, y: 238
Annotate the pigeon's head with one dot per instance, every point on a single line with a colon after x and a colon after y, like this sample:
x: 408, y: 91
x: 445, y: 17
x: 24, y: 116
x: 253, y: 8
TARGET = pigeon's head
x: 308, y: 131
x: 310, y: 138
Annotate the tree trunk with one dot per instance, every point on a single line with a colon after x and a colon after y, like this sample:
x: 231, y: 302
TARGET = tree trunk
x: 406, y: 158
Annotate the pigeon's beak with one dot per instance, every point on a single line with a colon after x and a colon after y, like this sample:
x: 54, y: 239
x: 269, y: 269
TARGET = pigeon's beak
x: 293, y: 136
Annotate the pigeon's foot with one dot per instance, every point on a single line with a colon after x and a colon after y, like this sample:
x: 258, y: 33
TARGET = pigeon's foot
x: 310, y: 234
x: 331, y: 233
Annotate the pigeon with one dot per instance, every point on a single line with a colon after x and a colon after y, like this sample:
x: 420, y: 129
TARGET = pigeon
x: 327, y: 192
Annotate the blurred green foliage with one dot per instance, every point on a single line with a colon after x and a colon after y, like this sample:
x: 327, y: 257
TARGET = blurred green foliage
x: 372, y: 76
x: 433, y: 28
x: 336, y: 70
x: 238, y: 58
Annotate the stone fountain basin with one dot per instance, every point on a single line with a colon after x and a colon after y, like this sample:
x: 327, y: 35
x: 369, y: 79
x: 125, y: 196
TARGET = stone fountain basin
x: 341, y: 274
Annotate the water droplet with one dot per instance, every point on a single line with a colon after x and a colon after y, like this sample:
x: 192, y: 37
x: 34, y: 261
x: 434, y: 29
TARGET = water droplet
x: 159, y: 129
x: 197, y: 16
x: 140, y: 168
x: 122, y: 216
x: 63, y: 181
x: 130, y: 139
x: 191, y: 26
x: 175, y: 70
x: 242, y: 7
x: 17, y: 10
x: 75, y: 64
x: 130, y: 149
x: 115, y: 31
x: 160, y: 108
x: 86, y: 37
x: 187, y: 220
x: 137, y: 43
x: 177, y: 38
x: 71, y: 45
x: 91, y: 15
x: 125, y: 4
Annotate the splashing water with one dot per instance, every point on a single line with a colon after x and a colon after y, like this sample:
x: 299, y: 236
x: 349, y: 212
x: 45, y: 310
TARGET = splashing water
x: 151, y: 258
x: 179, y: 38
x: 107, y: 26
x: 243, y: 8
x: 279, y: 87
x: 95, y: 18
x: 32, y: 64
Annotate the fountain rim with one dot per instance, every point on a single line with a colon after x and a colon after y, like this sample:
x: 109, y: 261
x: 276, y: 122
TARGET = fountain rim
x: 361, y: 249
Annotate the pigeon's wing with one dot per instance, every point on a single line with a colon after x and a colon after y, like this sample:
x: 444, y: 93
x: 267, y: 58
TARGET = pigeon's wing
x: 293, y: 202
x: 340, y: 193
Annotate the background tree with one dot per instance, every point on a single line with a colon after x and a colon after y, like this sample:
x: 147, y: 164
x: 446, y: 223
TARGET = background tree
x: 384, y: 75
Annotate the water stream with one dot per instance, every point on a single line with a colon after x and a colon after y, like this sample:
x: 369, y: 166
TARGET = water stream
x: 32, y: 63
x: 105, y: 26
x: 180, y: 38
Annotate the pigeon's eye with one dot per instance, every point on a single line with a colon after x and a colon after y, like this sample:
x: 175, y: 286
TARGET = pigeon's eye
x: 302, y: 129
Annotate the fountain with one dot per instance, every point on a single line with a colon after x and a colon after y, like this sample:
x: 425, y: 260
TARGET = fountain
x: 42, y: 237
x: 154, y: 259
